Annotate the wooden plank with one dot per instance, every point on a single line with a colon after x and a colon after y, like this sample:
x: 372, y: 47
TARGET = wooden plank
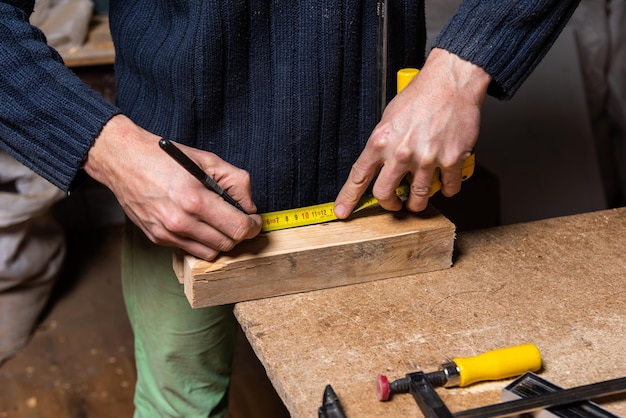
x: 178, y: 263
x: 371, y: 246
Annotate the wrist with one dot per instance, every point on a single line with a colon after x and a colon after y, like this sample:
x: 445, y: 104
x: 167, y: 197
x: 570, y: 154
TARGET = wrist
x: 118, y: 142
x: 462, y: 75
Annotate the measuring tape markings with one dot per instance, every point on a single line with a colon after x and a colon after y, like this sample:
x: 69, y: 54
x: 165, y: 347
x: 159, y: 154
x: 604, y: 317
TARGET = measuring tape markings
x: 324, y: 212
x: 316, y: 214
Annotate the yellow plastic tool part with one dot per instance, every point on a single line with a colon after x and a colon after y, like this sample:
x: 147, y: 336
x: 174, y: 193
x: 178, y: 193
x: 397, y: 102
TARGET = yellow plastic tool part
x: 324, y: 212
x: 404, y: 77
x: 498, y: 364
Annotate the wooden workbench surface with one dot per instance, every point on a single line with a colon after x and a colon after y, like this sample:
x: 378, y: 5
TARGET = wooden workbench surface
x: 558, y: 283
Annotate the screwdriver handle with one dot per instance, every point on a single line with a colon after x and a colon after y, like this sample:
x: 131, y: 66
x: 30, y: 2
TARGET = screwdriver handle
x: 498, y: 364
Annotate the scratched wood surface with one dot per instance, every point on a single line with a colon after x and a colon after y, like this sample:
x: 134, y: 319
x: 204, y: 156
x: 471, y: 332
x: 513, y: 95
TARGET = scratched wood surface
x: 372, y: 245
x: 558, y: 283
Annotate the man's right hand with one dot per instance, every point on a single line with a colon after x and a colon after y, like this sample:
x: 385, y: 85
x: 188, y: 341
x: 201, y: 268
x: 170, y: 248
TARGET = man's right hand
x: 169, y: 205
x: 432, y: 124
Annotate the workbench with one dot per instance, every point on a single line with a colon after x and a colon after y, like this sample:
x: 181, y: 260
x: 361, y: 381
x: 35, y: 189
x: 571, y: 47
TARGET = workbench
x: 557, y: 283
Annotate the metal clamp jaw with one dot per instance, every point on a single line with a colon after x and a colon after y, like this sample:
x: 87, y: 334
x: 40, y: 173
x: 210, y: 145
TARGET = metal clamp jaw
x: 427, y: 399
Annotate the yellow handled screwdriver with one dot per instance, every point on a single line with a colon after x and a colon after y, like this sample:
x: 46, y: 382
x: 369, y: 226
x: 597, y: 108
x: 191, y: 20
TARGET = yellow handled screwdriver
x: 492, y: 365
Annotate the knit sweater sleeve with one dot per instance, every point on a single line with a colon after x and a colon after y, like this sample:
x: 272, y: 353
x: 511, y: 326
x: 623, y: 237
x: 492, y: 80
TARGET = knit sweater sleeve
x: 507, y: 38
x: 48, y: 117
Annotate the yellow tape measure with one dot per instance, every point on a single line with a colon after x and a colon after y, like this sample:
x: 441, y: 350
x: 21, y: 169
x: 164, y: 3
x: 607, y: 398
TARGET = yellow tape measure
x: 317, y: 214
x: 324, y: 212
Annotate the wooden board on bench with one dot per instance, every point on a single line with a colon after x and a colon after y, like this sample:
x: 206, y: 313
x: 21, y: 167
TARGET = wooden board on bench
x: 371, y: 245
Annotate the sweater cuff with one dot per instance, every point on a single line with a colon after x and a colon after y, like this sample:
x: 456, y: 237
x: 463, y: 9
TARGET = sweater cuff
x: 506, y: 38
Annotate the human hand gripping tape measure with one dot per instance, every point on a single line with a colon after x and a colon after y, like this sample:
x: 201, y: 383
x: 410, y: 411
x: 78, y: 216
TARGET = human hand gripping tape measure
x: 324, y: 212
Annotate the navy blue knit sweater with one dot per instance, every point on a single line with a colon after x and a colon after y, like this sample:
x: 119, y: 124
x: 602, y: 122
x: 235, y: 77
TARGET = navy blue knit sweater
x: 284, y: 89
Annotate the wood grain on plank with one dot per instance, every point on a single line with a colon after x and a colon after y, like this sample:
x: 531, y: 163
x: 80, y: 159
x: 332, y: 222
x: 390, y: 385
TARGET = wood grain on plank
x: 374, y: 245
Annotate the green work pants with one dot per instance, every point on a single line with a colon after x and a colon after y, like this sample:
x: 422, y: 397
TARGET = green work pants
x: 183, y: 355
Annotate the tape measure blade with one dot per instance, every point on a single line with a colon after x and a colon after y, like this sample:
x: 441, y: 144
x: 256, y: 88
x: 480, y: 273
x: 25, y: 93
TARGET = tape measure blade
x: 324, y: 212
x: 291, y: 218
x: 468, y: 167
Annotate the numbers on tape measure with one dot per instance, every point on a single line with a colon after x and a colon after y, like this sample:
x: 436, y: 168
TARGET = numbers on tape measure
x: 298, y: 217
x: 324, y: 212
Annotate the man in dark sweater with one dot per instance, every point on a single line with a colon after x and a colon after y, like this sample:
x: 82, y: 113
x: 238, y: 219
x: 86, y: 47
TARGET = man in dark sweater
x: 276, y: 100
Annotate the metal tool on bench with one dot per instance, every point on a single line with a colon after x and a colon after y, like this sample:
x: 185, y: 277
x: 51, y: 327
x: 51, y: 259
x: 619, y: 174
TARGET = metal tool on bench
x: 432, y: 406
x: 331, y: 408
x: 530, y: 385
x: 492, y: 365
x: 486, y: 367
